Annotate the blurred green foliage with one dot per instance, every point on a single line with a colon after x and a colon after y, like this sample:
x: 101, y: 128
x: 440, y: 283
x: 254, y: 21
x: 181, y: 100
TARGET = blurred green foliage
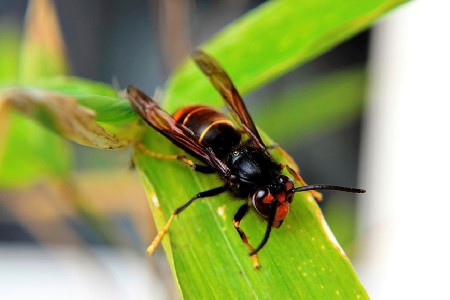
x: 28, y: 152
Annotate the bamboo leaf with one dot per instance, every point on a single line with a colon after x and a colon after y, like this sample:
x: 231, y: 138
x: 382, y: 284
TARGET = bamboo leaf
x: 302, y: 259
x: 273, y: 39
x: 9, y: 47
x: 109, y: 108
x: 325, y: 103
x: 42, y: 52
x: 62, y: 113
x: 29, y: 152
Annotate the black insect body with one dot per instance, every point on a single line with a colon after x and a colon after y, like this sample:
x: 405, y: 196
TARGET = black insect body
x: 245, y: 166
x: 212, y: 128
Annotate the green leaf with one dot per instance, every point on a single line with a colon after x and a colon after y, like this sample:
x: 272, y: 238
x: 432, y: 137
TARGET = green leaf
x: 272, y: 40
x: 110, y: 109
x: 42, y: 51
x: 29, y: 152
x: 327, y: 102
x: 113, y: 129
x: 74, y: 86
x: 302, y: 259
x: 9, y: 48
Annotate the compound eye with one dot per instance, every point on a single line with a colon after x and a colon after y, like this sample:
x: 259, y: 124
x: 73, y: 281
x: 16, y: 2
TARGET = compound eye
x: 262, y: 200
x: 286, y: 182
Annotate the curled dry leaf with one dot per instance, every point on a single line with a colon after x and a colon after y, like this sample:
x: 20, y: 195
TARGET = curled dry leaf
x: 63, y: 114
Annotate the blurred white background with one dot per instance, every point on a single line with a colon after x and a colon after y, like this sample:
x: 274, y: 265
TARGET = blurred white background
x: 404, y: 218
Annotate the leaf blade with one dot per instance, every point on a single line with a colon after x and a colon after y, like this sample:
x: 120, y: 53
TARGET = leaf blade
x: 42, y: 51
x: 325, y: 103
x: 41, y: 54
x: 63, y: 114
x: 272, y: 40
x: 204, y: 243
x: 313, y: 265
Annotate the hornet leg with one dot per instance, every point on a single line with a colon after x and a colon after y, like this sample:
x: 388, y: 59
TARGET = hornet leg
x: 165, y: 229
x: 237, y: 220
x: 196, y: 167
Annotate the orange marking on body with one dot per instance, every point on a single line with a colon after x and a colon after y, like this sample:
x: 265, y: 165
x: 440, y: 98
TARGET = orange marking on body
x: 288, y: 186
x: 176, y: 116
x: 182, y: 111
x: 268, y: 198
x: 282, y: 211
x: 281, y: 197
x: 200, y: 108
